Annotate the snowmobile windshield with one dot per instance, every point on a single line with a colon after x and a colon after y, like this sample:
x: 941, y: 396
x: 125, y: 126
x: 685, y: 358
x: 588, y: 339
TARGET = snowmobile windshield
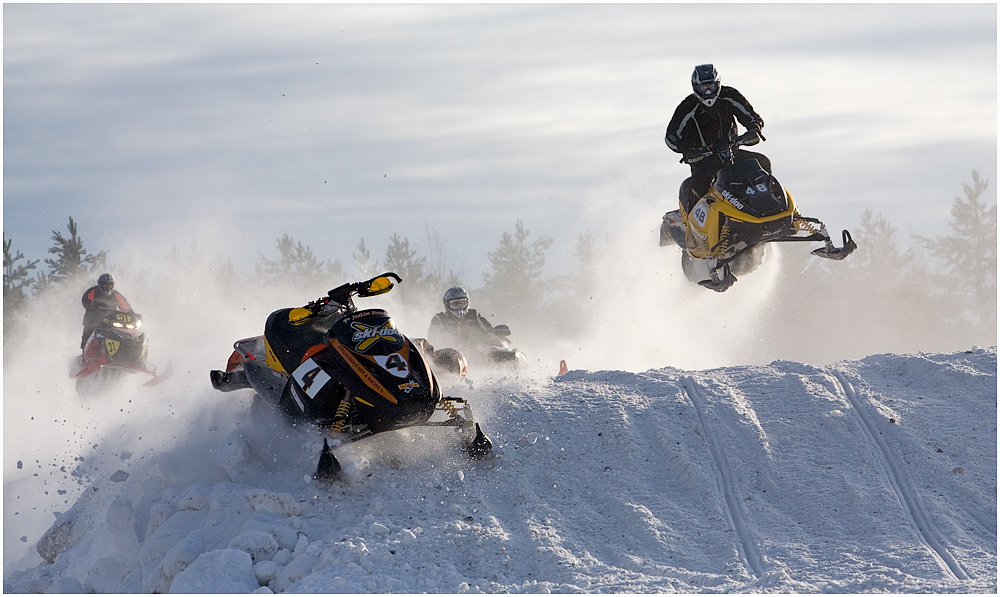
x: 751, y: 189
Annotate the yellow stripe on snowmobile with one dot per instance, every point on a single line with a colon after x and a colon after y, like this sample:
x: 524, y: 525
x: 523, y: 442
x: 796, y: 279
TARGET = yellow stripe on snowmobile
x: 365, y: 375
x: 271, y: 360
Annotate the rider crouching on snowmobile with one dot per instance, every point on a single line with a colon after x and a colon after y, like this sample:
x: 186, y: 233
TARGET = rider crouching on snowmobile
x: 97, y: 301
x: 458, y: 325
x: 705, y: 121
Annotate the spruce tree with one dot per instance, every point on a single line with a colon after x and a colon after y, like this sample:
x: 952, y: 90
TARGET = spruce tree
x: 516, y: 282
x: 296, y: 265
x: 16, y: 278
x: 970, y: 253
x: 363, y: 260
x: 71, y: 258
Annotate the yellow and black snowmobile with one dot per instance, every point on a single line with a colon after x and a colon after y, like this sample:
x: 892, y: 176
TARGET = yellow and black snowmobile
x: 723, y: 233
x: 350, y: 372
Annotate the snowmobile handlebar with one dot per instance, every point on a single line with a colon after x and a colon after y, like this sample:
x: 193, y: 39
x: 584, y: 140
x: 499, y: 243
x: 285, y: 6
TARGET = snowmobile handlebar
x: 725, y: 150
x: 343, y: 293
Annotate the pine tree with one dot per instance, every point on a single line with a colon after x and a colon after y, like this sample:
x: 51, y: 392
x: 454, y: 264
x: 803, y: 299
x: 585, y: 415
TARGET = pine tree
x: 363, y: 261
x: 16, y: 280
x: 438, y: 279
x: 403, y: 260
x: 72, y: 259
x: 970, y: 253
x: 516, y: 281
x: 296, y: 265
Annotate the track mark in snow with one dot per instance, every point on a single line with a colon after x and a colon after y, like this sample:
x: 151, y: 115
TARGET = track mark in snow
x: 908, y: 496
x: 726, y: 482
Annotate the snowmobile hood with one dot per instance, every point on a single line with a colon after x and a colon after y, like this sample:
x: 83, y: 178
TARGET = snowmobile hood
x: 370, y: 332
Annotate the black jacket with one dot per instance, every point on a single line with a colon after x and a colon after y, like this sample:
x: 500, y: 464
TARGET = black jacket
x: 696, y: 126
x: 448, y: 329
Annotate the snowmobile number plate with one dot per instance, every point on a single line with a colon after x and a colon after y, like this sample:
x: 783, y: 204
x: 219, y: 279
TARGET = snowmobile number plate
x: 700, y: 213
x: 310, y: 377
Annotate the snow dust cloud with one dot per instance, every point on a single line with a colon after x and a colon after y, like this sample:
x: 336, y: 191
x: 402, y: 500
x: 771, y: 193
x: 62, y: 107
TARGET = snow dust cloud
x: 635, y: 311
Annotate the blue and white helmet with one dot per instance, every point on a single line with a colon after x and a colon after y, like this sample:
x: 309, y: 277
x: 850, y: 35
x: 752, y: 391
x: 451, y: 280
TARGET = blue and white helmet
x: 706, y: 84
x: 106, y: 283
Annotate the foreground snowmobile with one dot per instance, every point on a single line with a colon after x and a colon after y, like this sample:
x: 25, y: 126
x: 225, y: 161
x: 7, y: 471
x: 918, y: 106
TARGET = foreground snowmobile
x: 348, y: 371
x: 116, y: 347
x: 723, y: 233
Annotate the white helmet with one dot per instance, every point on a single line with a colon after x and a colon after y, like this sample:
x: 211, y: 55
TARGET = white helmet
x: 456, y: 301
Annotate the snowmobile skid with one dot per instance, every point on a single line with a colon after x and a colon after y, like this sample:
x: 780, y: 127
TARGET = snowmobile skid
x: 349, y: 372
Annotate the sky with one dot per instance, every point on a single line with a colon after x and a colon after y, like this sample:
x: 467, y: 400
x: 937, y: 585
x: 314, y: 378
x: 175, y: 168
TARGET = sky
x: 156, y: 125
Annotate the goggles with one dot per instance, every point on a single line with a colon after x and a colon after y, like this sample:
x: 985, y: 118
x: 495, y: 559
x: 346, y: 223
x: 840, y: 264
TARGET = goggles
x: 459, y: 304
x: 707, y: 89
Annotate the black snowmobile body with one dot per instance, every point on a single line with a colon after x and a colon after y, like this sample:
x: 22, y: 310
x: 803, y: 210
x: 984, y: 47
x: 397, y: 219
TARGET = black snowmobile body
x: 350, y: 372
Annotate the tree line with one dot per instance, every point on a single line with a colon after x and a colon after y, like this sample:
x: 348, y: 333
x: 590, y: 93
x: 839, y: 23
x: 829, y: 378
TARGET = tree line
x: 946, y: 284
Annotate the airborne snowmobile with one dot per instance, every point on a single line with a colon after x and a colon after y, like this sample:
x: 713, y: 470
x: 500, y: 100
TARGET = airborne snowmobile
x: 116, y: 347
x: 350, y: 372
x: 724, y: 232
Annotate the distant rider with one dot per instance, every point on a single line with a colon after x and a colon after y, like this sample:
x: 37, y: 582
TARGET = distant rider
x: 97, y: 301
x: 458, y: 325
x: 705, y: 121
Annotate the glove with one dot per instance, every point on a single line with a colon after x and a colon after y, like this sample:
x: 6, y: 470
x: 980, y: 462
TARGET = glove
x: 696, y: 155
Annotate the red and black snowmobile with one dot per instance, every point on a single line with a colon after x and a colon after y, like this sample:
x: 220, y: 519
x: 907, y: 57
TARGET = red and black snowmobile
x: 350, y: 372
x: 116, y: 347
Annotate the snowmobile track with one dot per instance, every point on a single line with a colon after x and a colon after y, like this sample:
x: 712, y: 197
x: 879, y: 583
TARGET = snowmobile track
x: 727, y: 485
x: 906, y: 493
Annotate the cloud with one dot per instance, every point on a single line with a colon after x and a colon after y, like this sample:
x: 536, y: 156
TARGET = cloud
x: 337, y: 122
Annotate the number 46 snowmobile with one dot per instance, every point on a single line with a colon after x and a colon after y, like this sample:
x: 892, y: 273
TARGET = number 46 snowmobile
x: 348, y: 371
x: 724, y: 232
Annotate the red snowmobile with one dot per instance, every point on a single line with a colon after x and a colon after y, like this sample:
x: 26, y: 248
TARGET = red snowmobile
x: 116, y: 347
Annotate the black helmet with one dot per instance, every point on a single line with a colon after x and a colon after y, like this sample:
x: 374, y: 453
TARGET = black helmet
x: 456, y: 301
x: 106, y: 283
x: 706, y: 83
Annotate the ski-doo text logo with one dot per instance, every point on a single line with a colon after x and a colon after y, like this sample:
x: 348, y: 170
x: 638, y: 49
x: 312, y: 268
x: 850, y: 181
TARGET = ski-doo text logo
x: 732, y: 199
x: 366, y: 335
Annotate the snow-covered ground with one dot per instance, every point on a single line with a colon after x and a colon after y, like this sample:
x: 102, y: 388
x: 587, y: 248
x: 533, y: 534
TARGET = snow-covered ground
x: 871, y: 475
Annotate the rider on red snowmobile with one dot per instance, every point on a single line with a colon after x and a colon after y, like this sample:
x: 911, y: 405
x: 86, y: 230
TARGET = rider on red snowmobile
x: 97, y: 301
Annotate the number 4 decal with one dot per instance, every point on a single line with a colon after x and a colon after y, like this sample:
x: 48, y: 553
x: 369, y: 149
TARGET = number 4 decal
x: 310, y: 377
x: 395, y: 364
